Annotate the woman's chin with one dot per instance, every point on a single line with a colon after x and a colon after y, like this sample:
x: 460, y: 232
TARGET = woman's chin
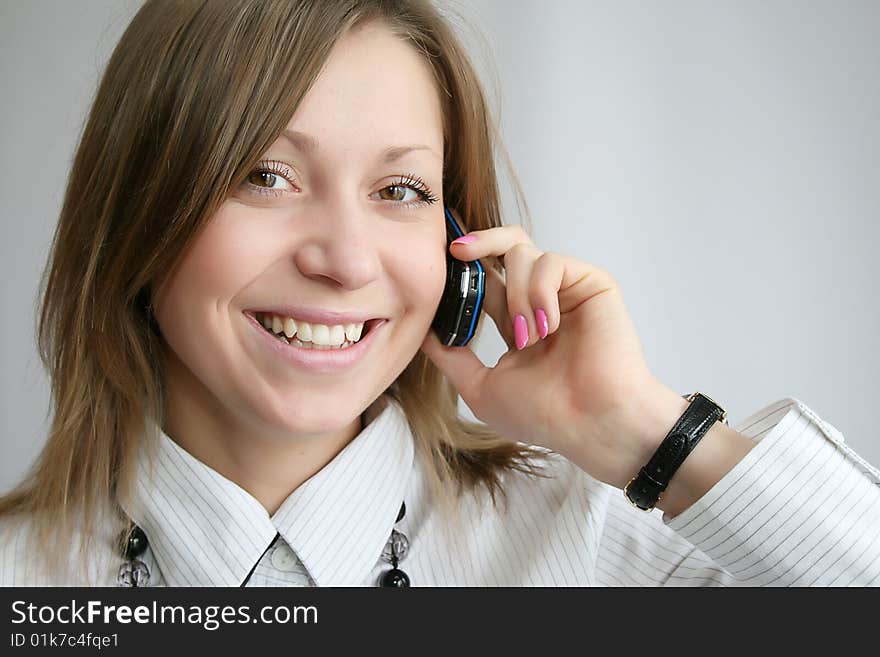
x: 330, y: 421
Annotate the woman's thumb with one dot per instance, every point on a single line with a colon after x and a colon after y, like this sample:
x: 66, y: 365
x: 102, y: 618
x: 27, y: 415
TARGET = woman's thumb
x: 459, y: 364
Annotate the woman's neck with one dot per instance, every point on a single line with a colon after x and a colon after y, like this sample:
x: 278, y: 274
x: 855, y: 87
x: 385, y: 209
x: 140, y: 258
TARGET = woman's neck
x: 269, y: 466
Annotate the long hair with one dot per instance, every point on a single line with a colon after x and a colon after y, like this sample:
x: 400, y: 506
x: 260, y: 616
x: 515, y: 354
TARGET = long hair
x: 194, y: 92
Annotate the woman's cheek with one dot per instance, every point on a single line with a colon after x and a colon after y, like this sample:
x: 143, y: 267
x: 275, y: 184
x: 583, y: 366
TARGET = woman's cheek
x: 432, y: 277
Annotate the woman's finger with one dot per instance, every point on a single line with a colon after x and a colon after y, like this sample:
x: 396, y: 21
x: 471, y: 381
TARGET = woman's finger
x: 519, y: 265
x: 547, y: 274
x: 492, y: 242
x: 495, y: 305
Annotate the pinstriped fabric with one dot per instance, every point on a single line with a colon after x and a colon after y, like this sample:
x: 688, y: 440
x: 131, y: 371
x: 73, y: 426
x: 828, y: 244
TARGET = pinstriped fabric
x: 801, y: 509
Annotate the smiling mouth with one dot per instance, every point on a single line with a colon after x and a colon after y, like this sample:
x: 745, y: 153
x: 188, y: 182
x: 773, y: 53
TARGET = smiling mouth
x: 295, y: 340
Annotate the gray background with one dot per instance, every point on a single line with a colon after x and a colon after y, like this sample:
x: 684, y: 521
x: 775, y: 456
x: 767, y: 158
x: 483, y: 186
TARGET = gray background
x: 720, y: 159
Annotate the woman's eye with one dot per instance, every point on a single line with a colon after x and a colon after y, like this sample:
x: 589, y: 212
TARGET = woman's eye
x: 266, y: 182
x: 421, y: 193
x: 399, y: 193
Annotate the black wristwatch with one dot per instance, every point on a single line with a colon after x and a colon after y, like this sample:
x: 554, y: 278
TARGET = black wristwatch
x: 645, y: 488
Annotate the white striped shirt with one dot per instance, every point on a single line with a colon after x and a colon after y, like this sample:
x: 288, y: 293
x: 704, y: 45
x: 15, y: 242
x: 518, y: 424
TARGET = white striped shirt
x: 800, y: 509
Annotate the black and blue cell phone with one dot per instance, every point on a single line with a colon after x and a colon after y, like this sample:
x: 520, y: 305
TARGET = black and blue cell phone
x: 460, y: 307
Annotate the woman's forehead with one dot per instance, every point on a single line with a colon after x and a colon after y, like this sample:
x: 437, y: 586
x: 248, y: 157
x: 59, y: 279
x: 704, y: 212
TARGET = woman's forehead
x: 374, y: 90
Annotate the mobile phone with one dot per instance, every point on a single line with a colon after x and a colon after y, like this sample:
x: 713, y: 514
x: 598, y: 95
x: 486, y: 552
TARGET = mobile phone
x: 458, y: 313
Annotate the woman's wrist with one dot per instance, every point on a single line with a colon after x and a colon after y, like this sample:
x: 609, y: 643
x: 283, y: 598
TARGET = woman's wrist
x: 714, y: 456
x: 635, y: 431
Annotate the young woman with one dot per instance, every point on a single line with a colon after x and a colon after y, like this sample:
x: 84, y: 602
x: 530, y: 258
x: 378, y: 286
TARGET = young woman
x: 259, y: 180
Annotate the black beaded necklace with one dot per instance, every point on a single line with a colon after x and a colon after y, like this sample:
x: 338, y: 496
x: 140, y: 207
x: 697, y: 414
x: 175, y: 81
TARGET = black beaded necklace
x: 395, y: 551
x: 134, y: 572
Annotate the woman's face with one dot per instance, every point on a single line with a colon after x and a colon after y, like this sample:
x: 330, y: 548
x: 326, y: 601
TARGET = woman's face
x: 322, y: 230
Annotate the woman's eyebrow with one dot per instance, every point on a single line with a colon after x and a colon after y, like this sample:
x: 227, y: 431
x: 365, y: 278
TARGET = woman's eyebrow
x: 307, y: 144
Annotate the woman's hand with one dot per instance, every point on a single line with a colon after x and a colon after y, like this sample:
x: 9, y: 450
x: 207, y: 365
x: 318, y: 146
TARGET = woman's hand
x: 584, y: 390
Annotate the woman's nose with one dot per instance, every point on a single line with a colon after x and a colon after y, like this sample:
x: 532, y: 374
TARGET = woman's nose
x: 341, y: 245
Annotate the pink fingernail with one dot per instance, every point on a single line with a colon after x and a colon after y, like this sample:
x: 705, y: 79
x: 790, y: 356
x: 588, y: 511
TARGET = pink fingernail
x: 467, y: 239
x: 541, y: 318
x: 520, y: 331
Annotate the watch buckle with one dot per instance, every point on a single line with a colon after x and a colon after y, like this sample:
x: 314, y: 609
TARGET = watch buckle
x: 723, y: 417
x: 626, y: 494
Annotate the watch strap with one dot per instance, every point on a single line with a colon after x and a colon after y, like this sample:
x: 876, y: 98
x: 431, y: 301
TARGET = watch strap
x: 644, y: 490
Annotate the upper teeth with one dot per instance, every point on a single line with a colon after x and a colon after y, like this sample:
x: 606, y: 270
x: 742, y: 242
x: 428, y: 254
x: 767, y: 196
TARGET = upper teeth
x: 316, y: 333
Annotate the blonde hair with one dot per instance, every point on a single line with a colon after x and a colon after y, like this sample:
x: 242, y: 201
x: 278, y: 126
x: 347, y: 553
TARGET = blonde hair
x: 194, y: 92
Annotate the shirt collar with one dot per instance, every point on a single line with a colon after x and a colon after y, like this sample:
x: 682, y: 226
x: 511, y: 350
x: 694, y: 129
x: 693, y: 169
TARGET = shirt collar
x: 205, y: 530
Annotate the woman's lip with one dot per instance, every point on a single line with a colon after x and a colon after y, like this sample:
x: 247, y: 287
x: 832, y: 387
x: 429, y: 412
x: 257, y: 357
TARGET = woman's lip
x: 319, y: 360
